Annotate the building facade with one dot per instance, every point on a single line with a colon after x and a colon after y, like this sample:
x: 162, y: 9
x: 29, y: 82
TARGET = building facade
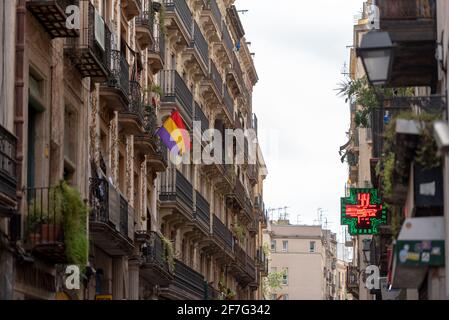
x: 408, y: 250
x: 85, y: 90
x: 307, y: 257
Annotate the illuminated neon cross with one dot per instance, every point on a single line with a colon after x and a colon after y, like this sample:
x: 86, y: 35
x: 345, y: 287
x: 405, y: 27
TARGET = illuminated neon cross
x: 363, y: 211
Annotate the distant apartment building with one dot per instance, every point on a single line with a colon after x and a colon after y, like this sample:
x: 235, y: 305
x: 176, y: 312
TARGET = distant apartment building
x: 306, y: 255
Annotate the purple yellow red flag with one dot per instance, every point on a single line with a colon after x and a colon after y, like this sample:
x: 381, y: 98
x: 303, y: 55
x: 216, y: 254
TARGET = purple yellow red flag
x: 174, y: 135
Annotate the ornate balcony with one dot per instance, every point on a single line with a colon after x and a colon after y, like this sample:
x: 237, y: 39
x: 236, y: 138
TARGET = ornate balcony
x: 131, y: 8
x: 43, y: 229
x: 413, y: 29
x: 176, y: 92
x: 51, y: 14
x: 149, y: 144
x: 211, y: 20
x: 179, y: 19
x: 198, y: 53
x: 253, y: 226
x: 111, y: 221
x: 201, y: 117
x: 188, y: 284
x: 262, y: 262
x: 154, y: 267
x: 213, y: 85
x: 226, y: 47
x: 91, y: 52
x: 238, y: 196
x: 202, y: 213
x: 132, y: 120
x: 234, y: 77
x: 228, y: 106
x: 115, y: 90
x: 8, y: 172
x: 145, y: 29
x: 243, y: 267
x: 177, y: 192
x: 156, y: 52
x: 223, y: 239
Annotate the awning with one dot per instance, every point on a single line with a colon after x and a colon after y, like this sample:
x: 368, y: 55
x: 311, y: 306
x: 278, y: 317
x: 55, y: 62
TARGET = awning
x: 420, y: 245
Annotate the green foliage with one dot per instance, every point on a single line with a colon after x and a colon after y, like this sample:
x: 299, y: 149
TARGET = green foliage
x: 388, y: 173
x: 272, y: 282
x: 74, y: 225
x: 225, y: 292
x: 362, y: 94
x: 162, y: 13
x: 157, y: 89
x: 169, y: 253
x: 266, y: 249
x: 239, y: 232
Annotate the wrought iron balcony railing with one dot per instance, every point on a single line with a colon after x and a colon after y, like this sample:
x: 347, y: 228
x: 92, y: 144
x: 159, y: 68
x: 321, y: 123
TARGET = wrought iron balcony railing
x: 136, y: 100
x: 227, y: 40
x: 175, y: 88
x: 212, y: 4
x: 53, y: 17
x: 44, y: 221
x: 146, y: 20
x: 8, y: 164
x: 229, y: 103
x: 202, y: 211
x: 240, y: 256
x: 200, y: 44
x: 200, y: 116
x: 189, y: 280
x: 222, y: 233
x: 250, y: 267
x: 175, y: 187
x: 155, y: 266
x: 119, y: 76
x: 181, y: 8
x: 107, y: 205
x: 91, y: 52
x: 216, y: 78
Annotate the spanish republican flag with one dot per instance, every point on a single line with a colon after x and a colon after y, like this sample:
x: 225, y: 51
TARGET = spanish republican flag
x: 174, y: 135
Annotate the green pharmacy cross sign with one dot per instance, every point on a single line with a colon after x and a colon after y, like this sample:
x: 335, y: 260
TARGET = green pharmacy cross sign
x: 363, y: 212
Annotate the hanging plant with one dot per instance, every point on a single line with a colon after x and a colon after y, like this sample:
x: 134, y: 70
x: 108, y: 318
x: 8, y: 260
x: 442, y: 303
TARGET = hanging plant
x: 74, y: 225
x: 169, y: 253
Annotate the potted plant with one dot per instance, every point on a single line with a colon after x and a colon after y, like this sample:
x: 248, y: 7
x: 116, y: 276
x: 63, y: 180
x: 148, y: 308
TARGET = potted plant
x: 33, y: 229
x: 51, y: 230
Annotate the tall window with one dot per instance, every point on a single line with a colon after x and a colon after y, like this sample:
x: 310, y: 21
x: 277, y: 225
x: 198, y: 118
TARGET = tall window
x: 285, y: 277
x: 285, y: 296
x: 274, y: 296
x: 273, y: 245
x: 312, y: 246
x: 284, y: 246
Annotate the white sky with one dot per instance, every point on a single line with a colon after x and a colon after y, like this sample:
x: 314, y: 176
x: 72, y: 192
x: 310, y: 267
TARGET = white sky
x: 300, y: 49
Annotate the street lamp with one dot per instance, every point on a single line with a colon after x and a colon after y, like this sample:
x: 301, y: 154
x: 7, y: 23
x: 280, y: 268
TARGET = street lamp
x: 376, y: 52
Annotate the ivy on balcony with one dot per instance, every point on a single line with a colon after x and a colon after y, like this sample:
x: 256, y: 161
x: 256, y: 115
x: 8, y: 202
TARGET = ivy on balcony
x: 362, y: 94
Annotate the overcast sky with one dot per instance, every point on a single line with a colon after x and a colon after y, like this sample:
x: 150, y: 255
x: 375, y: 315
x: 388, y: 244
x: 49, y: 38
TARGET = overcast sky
x: 300, y: 48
